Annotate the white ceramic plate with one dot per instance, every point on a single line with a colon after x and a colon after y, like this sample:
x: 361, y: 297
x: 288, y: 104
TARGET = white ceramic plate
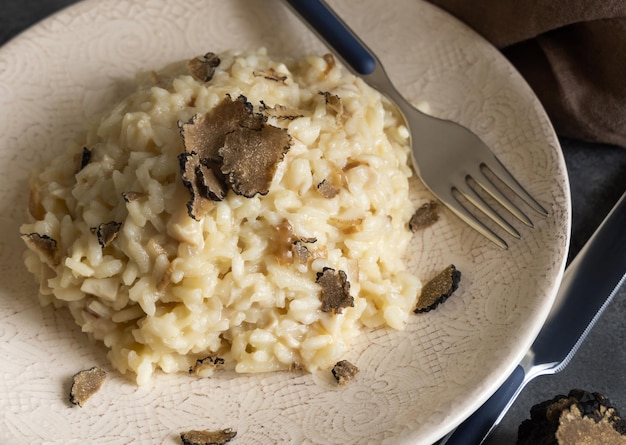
x: 414, y: 386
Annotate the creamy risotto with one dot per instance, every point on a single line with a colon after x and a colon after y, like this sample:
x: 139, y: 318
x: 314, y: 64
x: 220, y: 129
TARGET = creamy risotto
x: 170, y: 252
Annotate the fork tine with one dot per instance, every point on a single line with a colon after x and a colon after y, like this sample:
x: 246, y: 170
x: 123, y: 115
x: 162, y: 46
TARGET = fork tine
x: 488, y: 186
x: 499, y: 170
x: 451, y: 202
x: 470, y: 194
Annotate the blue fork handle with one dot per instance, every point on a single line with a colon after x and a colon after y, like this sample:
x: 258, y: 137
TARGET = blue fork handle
x: 336, y: 34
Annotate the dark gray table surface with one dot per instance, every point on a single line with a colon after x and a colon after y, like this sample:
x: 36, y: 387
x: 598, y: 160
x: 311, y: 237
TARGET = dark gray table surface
x: 598, y: 178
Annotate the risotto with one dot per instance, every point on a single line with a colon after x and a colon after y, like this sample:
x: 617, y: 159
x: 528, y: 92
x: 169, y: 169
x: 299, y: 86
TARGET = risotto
x: 172, y: 253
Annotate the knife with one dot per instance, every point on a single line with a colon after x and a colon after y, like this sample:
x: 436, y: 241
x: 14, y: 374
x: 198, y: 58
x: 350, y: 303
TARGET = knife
x: 589, y: 284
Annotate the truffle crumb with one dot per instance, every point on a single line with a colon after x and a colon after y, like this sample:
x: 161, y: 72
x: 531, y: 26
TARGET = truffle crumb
x: 335, y: 105
x: 296, y: 367
x: 344, y: 372
x: 85, y: 384
x: 206, y: 367
x: 203, y: 67
x: 42, y: 244
x: 438, y: 289
x: 132, y: 196
x: 581, y: 418
x: 425, y: 216
x: 279, y: 112
x: 271, y: 74
x: 300, y: 252
x: 327, y: 189
x: 35, y: 206
x: 287, y: 246
x: 283, y: 241
x: 330, y: 62
x: 166, y: 278
x: 204, y: 437
x: 107, y: 232
x: 347, y: 226
x: 83, y: 159
x: 335, y: 293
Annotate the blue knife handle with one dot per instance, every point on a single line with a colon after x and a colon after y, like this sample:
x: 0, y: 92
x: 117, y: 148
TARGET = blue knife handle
x: 476, y: 427
x: 336, y: 34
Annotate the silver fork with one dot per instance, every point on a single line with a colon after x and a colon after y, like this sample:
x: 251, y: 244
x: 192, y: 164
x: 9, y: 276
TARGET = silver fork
x: 454, y: 163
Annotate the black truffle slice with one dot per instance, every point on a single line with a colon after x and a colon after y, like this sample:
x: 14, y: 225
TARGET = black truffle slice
x: 202, y: 164
x: 210, y: 186
x: 107, y: 232
x: 85, y: 384
x: 581, y: 418
x: 438, y: 289
x: 344, y: 372
x: 203, y: 67
x: 204, y: 437
x: 195, y: 181
x: 205, y: 133
x: 335, y: 293
x: 424, y: 216
x: 42, y: 244
x: 250, y: 158
x: 206, y: 367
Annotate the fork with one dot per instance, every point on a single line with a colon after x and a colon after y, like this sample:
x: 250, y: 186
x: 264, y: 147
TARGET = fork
x: 453, y: 162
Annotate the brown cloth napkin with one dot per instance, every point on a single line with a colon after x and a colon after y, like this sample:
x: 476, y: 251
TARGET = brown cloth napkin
x: 571, y: 52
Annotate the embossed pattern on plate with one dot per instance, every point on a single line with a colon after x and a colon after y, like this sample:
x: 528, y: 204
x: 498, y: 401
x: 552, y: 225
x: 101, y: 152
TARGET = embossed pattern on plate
x: 415, y: 385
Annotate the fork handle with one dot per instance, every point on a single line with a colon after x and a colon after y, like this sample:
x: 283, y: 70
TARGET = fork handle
x: 336, y: 34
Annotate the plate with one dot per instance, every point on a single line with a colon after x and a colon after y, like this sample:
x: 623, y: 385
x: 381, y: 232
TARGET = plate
x: 414, y: 385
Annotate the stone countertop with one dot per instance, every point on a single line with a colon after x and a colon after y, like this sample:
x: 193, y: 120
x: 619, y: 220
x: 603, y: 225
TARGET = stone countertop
x: 598, y: 178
